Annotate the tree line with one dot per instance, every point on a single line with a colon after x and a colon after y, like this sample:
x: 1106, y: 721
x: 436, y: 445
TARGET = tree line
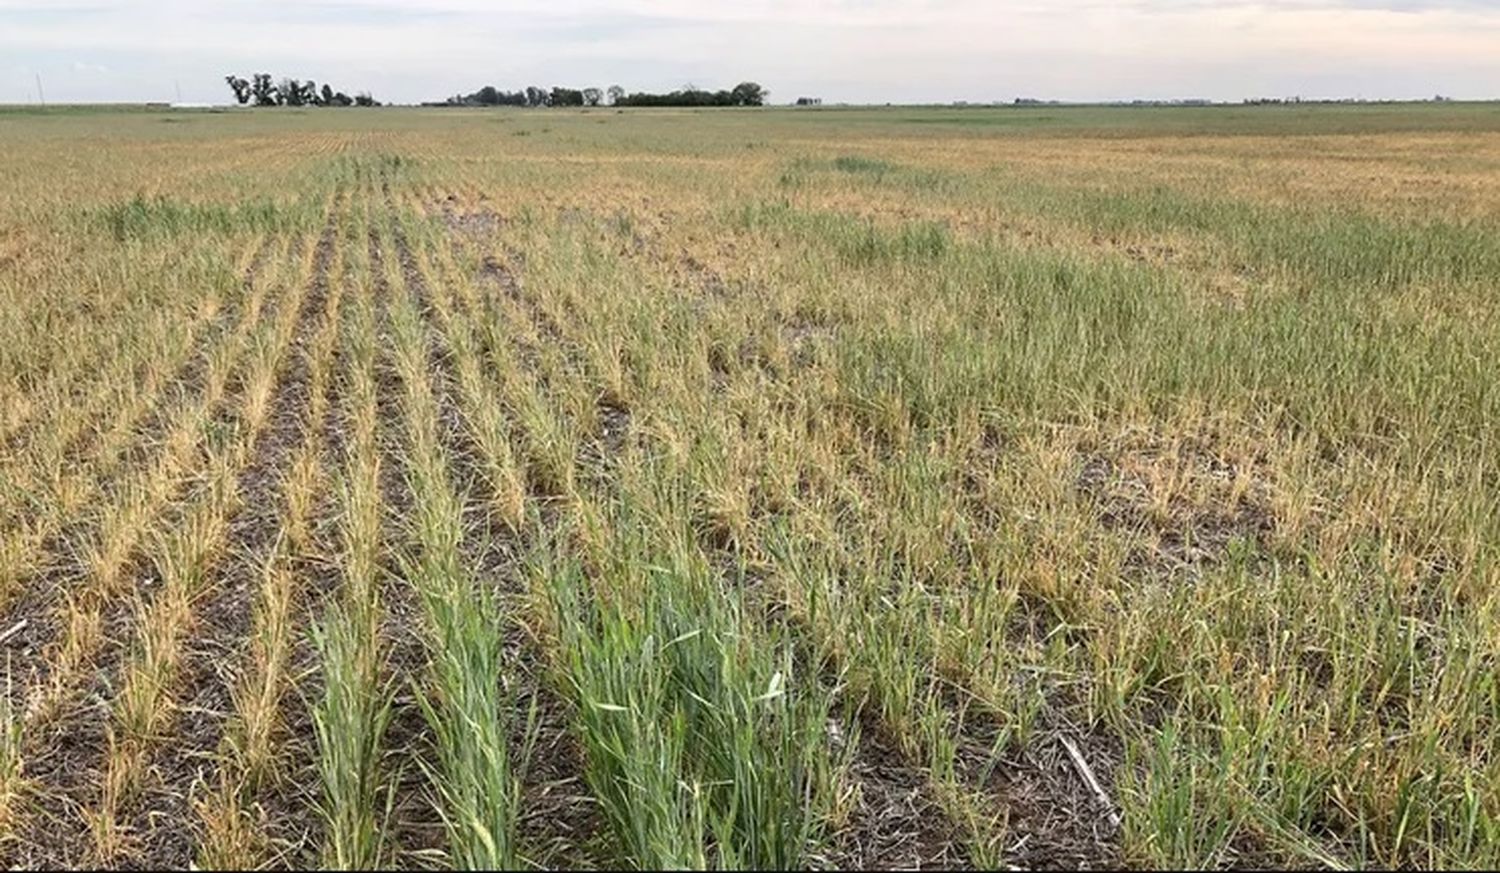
x: 260, y: 90
x: 743, y: 94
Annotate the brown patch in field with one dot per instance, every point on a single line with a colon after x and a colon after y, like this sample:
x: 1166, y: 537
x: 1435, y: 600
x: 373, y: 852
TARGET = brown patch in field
x: 705, y: 279
x: 1231, y: 288
x: 1053, y: 819
x: 1141, y: 251
x: 805, y: 339
x: 495, y: 271
x: 506, y: 276
x: 23, y: 252
x: 470, y: 222
x: 1188, y: 499
x: 614, y: 424
x: 611, y: 434
x: 896, y: 823
x: 503, y: 273
x: 598, y: 455
x: 544, y: 322
x: 627, y: 227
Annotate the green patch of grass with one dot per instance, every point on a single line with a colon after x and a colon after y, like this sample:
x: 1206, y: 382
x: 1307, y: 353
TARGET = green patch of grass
x: 861, y: 165
x: 706, y: 737
x: 858, y: 241
x: 350, y: 719
x: 146, y: 218
x: 858, y: 169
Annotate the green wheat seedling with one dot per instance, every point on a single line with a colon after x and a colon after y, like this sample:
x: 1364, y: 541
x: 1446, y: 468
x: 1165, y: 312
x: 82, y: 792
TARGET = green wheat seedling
x: 350, y: 719
x: 702, y: 730
x: 468, y: 713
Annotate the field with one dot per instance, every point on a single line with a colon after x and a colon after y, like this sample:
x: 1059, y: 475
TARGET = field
x: 893, y: 488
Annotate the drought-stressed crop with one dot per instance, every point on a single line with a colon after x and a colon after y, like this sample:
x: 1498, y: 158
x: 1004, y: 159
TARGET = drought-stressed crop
x: 906, y: 487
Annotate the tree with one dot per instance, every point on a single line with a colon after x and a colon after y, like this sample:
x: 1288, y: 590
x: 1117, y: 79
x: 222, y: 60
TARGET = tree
x: 565, y: 97
x: 262, y: 89
x: 743, y: 94
x: 289, y: 92
x: 749, y: 94
x: 241, y: 88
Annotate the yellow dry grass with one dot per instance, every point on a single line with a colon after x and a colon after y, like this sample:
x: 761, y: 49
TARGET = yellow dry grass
x: 832, y: 488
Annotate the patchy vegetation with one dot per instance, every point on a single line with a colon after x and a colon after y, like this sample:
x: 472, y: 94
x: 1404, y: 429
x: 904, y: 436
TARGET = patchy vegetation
x: 1060, y: 489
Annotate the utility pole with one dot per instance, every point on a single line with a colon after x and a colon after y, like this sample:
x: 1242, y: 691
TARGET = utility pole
x: 40, y: 94
x: 178, y: 85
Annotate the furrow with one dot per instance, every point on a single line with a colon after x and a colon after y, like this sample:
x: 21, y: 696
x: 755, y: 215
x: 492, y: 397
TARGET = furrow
x: 183, y: 762
x: 352, y: 689
x: 37, y: 550
x: 158, y: 551
x: 141, y: 803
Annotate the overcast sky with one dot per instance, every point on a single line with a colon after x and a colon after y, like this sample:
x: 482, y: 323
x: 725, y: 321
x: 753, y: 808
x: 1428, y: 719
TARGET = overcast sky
x: 841, y: 50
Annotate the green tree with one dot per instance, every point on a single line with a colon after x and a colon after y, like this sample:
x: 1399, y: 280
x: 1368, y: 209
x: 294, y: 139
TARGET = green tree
x: 241, y: 88
x: 263, y: 91
x: 565, y: 97
x: 749, y: 94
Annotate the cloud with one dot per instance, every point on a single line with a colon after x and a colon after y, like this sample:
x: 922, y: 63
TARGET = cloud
x: 875, y: 50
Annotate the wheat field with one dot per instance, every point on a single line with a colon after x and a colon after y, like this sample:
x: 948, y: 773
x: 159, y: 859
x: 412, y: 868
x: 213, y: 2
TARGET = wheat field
x: 1062, y: 487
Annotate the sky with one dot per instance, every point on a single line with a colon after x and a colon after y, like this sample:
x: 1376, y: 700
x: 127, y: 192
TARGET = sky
x: 858, y: 51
